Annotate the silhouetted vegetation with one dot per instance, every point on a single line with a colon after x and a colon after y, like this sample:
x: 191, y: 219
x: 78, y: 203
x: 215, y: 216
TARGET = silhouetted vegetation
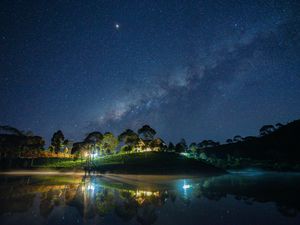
x: 274, y: 148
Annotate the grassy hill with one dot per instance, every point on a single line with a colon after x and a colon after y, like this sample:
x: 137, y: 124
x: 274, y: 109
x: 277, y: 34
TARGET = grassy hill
x: 137, y: 163
x: 154, y: 163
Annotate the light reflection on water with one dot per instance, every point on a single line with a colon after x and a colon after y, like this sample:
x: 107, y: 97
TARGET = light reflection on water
x: 116, y: 199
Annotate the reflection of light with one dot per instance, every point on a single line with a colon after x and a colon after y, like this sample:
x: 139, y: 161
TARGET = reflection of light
x: 142, y: 195
x: 184, y: 154
x: 186, y: 186
x: 146, y: 193
x: 94, y: 155
x: 91, y: 187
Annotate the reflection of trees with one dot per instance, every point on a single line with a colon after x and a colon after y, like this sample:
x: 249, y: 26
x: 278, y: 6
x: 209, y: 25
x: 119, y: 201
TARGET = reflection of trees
x: 147, y: 214
x: 91, y: 197
x: 18, y: 194
x: 127, y: 208
x: 15, y: 203
x: 105, y: 202
x: 277, y: 189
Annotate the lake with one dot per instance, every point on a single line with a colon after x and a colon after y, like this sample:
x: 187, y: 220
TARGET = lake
x: 238, y: 198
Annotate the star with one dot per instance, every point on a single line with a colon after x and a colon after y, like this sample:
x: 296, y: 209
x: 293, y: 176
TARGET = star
x: 117, y: 26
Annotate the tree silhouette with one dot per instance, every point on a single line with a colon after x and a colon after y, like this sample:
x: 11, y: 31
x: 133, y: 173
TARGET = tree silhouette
x: 279, y: 125
x: 147, y: 132
x: 94, y: 140
x: 11, y: 130
x: 158, y: 144
x: 229, y: 141
x: 13, y: 143
x: 57, y: 140
x: 93, y: 137
x: 193, y: 147
x: 129, y: 137
x: 266, y: 129
x: 208, y: 144
x: 237, y: 138
x: 171, y: 147
x: 181, y: 146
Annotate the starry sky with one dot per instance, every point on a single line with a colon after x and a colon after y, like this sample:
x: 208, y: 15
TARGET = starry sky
x: 192, y: 69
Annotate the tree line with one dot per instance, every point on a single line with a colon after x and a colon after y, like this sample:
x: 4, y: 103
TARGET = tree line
x: 16, y: 143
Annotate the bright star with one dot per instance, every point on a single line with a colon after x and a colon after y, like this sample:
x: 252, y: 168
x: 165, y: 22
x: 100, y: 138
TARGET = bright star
x: 117, y: 26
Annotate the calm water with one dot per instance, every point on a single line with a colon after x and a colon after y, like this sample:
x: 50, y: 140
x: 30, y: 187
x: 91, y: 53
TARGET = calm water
x: 230, y: 199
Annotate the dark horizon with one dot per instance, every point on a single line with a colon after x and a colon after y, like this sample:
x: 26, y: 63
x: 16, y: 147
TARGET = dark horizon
x: 190, y: 69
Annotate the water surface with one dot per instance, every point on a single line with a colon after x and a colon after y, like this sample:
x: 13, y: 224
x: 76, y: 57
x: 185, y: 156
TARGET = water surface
x: 239, y: 198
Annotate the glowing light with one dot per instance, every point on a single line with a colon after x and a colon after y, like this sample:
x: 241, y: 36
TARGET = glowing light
x: 142, y: 195
x: 95, y: 155
x: 91, y: 187
x: 186, y: 186
x: 148, y: 150
x: 117, y: 26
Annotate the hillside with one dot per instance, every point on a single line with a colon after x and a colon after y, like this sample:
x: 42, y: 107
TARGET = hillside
x: 153, y: 162
x: 282, y: 145
x: 137, y: 163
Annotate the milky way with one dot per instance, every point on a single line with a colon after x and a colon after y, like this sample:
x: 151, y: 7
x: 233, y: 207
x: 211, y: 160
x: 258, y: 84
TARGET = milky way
x: 193, y: 69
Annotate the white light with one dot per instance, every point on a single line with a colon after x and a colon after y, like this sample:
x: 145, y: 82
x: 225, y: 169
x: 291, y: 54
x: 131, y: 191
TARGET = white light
x: 117, y: 26
x: 186, y: 186
x: 94, y: 155
x: 91, y: 187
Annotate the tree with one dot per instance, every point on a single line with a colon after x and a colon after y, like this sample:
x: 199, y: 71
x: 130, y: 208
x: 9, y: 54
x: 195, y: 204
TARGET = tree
x: 171, y: 147
x: 229, y: 141
x: 146, y: 132
x: 57, y: 140
x: 11, y: 130
x: 109, y: 143
x: 249, y: 138
x: 28, y: 133
x: 129, y: 137
x: 94, y: 139
x: 208, y: 144
x: 13, y: 143
x: 80, y: 148
x: 193, y: 147
x: 158, y: 144
x: 66, y: 144
x: 237, y: 138
x: 51, y: 149
x: 125, y: 149
x: 203, y: 156
x: 266, y: 129
x: 181, y: 146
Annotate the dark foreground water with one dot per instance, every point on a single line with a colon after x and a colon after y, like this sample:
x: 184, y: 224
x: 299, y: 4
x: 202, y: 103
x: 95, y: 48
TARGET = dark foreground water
x: 230, y: 199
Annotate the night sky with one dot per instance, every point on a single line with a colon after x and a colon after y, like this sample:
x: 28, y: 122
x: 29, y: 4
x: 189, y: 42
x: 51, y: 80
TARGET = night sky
x: 193, y: 69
